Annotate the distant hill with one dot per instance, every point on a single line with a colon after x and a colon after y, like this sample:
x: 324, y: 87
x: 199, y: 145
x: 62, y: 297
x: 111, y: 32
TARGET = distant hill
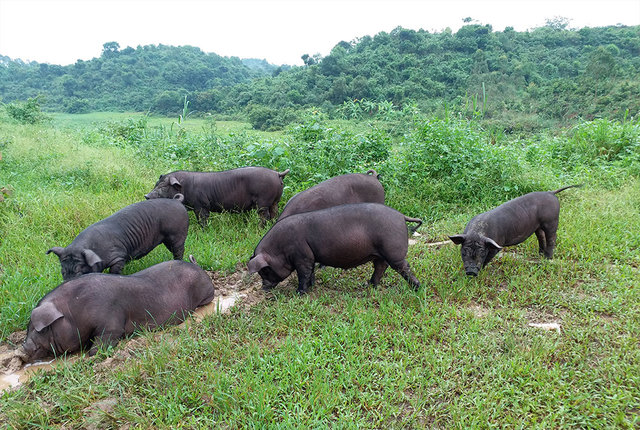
x: 550, y: 72
x: 147, y: 77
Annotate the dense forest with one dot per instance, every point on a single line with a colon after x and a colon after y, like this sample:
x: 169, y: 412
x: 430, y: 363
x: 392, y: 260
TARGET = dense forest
x: 548, y: 73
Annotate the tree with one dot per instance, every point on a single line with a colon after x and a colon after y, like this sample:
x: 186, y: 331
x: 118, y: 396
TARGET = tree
x: 110, y: 48
x: 308, y: 61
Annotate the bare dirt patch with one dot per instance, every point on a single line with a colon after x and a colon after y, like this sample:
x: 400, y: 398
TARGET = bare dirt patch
x: 478, y: 310
x: 544, y: 320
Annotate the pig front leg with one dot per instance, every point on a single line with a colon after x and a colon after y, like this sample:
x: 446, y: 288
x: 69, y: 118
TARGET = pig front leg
x: 116, y: 268
x: 306, y: 275
x: 491, y: 252
x: 202, y: 215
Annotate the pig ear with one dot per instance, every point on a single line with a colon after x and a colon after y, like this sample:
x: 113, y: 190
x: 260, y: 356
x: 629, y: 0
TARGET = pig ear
x: 91, y: 258
x: 58, y: 250
x: 45, y: 315
x: 256, y: 263
x: 458, y: 239
x: 492, y: 244
x: 175, y: 183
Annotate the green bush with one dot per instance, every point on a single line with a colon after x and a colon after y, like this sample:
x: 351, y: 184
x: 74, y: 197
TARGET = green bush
x: 452, y: 162
x: 270, y: 119
x: 26, y: 112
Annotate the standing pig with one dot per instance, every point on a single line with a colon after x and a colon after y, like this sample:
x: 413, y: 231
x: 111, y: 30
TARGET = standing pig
x: 231, y: 190
x: 131, y: 233
x: 341, y: 236
x: 509, y: 224
x: 100, y: 309
x: 340, y: 190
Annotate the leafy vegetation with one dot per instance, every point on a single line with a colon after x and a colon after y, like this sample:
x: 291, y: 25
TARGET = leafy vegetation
x: 516, y: 81
x: 145, y: 78
x: 26, y: 113
x: 458, y: 353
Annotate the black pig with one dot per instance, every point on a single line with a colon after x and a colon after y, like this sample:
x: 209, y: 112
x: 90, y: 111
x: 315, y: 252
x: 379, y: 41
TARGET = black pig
x: 341, y: 236
x: 340, y: 190
x: 509, y: 224
x: 100, y: 309
x: 230, y: 190
x: 129, y: 234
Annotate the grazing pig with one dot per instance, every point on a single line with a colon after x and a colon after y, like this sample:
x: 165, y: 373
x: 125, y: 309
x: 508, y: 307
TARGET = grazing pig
x: 341, y: 236
x: 131, y: 233
x: 100, y: 309
x: 509, y: 224
x: 231, y: 190
x: 340, y: 190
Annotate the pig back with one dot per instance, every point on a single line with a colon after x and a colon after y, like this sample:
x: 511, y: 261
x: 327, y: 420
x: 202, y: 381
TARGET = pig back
x: 340, y: 190
x: 342, y: 236
x: 140, y: 227
x: 237, y: 189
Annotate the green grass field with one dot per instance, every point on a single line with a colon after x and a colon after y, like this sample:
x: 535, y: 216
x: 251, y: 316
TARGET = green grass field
x: 458, y: 353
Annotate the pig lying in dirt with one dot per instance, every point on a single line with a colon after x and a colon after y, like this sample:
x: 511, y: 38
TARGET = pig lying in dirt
x: 341, y: 236
x: 509, y: 224
x: 100, y: 309
x: 129, y: 234
x: 340, y: 190
x: 231, y: 190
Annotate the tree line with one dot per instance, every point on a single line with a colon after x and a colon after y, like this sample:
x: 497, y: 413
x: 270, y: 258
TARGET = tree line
x: 548, y: 73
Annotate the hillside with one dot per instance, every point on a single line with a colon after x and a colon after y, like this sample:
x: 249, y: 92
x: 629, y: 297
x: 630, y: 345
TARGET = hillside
x: 145, y: 78
x: 548, y: 73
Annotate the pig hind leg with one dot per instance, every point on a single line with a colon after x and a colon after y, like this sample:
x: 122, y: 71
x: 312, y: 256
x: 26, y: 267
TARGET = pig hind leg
x: 405, y: 271
x: 379, y: 267
x: 264, y: 214
x: 550, y: 230
x: 542, y: 240
x: 176, y: 246
x: 273, y: 210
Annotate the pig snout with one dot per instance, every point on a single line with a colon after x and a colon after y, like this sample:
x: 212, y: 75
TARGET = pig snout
x: 472, y: 271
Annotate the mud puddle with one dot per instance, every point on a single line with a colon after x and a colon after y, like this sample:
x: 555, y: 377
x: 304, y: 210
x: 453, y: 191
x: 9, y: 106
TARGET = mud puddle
x: 231, y: 290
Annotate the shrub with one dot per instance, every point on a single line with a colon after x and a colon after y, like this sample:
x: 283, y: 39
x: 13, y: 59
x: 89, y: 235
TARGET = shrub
x: 593, y: 143
x: 451, y: 162
x: 26, y: 112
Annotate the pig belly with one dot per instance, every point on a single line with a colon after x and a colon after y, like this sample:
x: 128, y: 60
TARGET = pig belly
x: 344, y: 254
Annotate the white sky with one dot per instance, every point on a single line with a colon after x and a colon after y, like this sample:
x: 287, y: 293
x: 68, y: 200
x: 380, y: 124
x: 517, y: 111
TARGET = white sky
x: 280, y: 31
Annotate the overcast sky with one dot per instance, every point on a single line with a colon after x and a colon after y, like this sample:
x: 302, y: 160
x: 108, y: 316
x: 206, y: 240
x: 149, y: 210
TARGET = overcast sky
x: 281, y: 31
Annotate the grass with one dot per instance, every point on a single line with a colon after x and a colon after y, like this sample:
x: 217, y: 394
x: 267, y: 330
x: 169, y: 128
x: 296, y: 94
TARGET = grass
x: 459, y: 353
x: 195, y: 124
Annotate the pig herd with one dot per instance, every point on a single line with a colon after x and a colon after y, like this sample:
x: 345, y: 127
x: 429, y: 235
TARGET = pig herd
x: 341, y: 222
